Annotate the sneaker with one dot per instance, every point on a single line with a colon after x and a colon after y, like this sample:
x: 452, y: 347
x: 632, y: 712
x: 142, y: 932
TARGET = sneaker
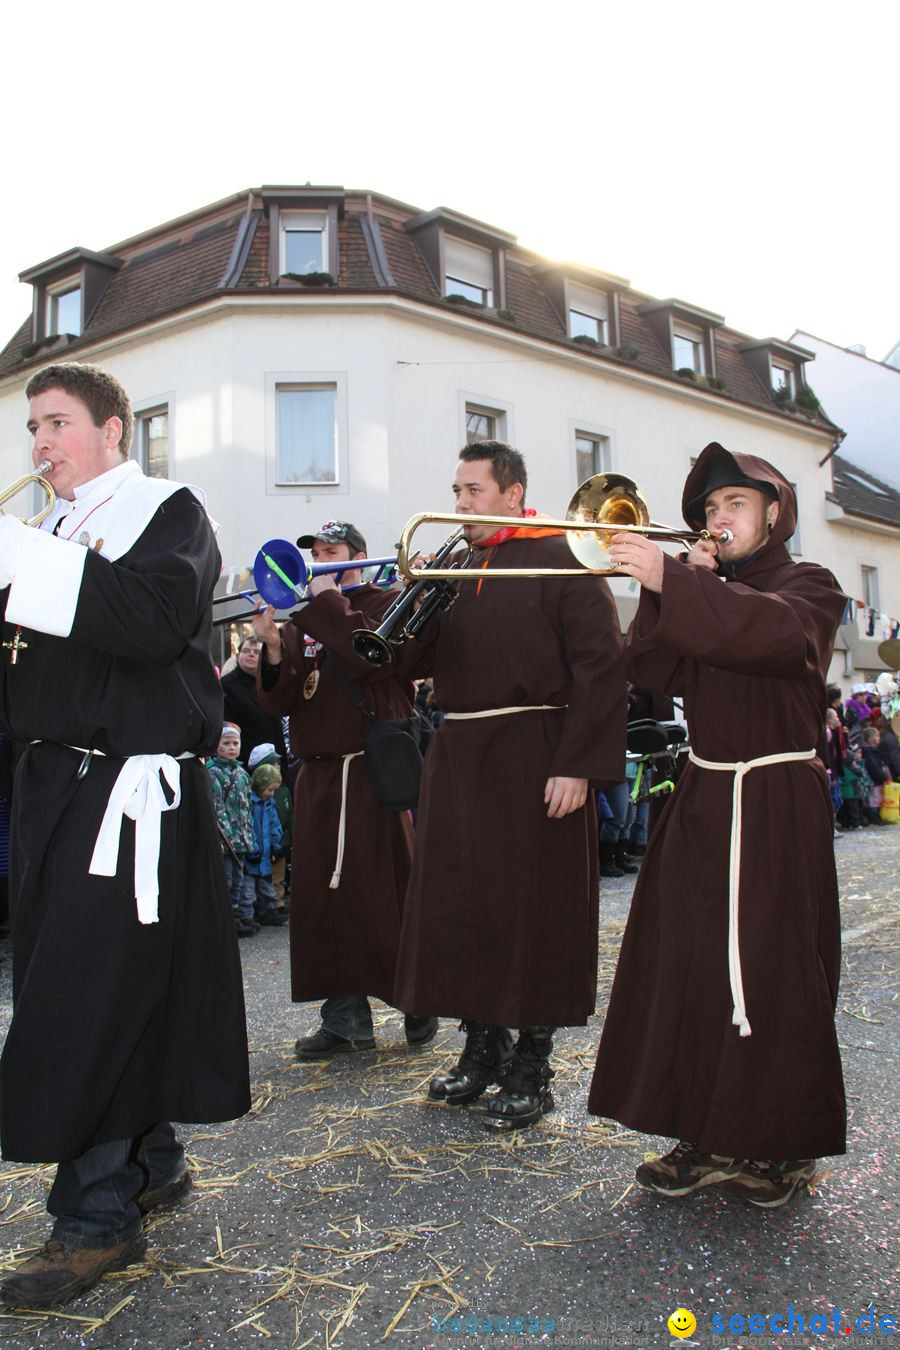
x: 324, y: 1044
x: 165, y: 1193
x: 246, y: 928
x: 272, y: 918
x: 420, y: 1030
x: 770, y: 1184
x: 685, y: 1169
x: 59, y: 1273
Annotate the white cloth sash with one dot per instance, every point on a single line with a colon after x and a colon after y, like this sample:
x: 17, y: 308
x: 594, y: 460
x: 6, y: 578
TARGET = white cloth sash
x: 500, y: 712
x: 740, y: 770
x: 138, y: 794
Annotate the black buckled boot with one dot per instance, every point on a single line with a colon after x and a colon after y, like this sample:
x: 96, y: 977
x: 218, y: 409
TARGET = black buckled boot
x: 622, y: 859
x: 524, y: 1094
x: 608, y: 866
x: 486, y: 1052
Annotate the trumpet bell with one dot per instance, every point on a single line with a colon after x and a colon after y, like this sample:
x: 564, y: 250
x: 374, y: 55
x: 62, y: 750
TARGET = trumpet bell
x: 606, y: 499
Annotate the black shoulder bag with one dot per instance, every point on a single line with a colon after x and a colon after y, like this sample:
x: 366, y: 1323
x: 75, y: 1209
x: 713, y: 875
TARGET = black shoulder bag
x: 391, y: 753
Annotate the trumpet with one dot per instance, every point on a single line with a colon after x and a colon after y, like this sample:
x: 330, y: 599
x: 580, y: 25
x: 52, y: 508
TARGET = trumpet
x: 406, y: 617
x: 607, y: 504
x: 21, y: 483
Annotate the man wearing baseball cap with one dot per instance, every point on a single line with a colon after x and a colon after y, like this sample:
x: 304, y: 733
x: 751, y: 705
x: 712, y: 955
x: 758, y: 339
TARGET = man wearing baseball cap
x: 351, y: 856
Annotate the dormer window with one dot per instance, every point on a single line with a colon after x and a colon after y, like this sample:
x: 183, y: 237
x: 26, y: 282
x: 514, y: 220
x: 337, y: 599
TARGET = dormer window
x: 687, y: 348
x: 784, y: 379
x: 468, y: 271
x: 686, y: 334
x: 304, y: 242
x: 588, y: 314
x: 63, y: 310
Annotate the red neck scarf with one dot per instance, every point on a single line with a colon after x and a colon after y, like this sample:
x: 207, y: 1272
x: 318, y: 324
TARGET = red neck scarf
x: 517, y: 532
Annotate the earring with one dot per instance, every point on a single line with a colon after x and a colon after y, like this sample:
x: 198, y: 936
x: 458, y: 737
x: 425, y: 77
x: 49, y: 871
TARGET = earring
x: 769, y: 527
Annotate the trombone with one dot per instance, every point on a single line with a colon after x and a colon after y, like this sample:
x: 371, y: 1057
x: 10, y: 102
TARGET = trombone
x: 21, y: 483
x: 607, y: 504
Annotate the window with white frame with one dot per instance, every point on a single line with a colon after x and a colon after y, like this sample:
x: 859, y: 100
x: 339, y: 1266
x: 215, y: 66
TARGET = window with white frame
x: 783, y: 378
x: 588, y: 313
x: 871, y: 592
x: 687, y: 348
x: 307, y: 443
x: 63, y: 310
x: 150, y: 446
x: 484, y: 424
x: 591, y: 455
x: 468, y: 271
x: 304, y: 242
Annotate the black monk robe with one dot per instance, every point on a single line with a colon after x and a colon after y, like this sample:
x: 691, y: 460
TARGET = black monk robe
x: 117, y: 1024
x: 749, y: 656
x: 500, y: 922
x: 343, y: 940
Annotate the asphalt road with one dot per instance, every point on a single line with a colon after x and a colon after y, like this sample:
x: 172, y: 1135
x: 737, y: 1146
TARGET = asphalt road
x: 345, y: 1212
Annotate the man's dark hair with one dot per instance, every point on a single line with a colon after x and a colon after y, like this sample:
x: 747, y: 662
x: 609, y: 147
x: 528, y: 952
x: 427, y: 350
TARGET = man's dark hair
x: 507, y: 464
x: 833, y: 692
x: 99, y: 391
x: 251, y: 640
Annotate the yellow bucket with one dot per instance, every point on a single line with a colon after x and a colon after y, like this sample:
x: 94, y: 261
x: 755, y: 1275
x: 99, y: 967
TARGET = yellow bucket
x: 890, y: 807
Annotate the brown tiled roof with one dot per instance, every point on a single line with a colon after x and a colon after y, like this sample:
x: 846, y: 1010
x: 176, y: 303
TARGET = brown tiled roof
x: 205, y: 255
x: 861, y: 494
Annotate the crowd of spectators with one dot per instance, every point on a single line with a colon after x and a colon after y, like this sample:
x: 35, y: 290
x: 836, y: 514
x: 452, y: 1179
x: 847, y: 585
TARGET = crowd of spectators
x: 863, y: 756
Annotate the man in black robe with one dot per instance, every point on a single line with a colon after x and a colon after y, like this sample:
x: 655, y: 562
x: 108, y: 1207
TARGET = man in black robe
x: 128, y: 1005
x: 720, y: 1028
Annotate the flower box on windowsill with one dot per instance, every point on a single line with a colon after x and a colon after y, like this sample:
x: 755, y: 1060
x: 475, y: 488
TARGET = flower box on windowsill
x: 53, y: 342
x: 463, y: 300
x: 308, y: 279
x: 585, y: 340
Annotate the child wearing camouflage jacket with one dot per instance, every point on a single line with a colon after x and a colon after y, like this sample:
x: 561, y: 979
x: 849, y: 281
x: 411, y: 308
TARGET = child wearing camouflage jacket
x: 232, y: 798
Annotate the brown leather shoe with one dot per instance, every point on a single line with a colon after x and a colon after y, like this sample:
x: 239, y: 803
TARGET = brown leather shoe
x: 58, y: 1273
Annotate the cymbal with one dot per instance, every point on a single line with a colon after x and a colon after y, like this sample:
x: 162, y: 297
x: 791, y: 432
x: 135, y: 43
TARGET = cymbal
x: 889, y: 653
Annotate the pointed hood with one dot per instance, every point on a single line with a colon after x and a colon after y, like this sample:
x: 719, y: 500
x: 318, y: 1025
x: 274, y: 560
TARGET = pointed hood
x: 718, y: 467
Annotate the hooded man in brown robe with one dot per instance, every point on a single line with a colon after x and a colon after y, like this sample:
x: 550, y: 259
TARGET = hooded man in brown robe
x: 351, y: 856
x: 720, y: 1029
x: 500, y: 922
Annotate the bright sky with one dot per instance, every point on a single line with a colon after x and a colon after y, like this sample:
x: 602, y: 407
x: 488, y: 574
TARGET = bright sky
x: 740, y: 157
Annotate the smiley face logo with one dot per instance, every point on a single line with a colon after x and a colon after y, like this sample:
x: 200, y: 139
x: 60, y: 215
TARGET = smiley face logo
x: 682, y: 1323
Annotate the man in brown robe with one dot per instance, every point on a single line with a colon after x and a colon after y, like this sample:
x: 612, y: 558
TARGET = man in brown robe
x: 351, y: 857
x: 720, y: 1030
x: 500, y: 922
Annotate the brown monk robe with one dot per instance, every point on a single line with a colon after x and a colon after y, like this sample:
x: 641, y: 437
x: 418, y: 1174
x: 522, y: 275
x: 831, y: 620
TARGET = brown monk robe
x: 500, y: 923
x: 750, y: 658
x: 343, y: 940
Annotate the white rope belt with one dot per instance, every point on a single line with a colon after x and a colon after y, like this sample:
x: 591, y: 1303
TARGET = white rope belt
x: 501, y: 712
x: 138, y: 794
x: 342, y: 823
x: 740, y: 770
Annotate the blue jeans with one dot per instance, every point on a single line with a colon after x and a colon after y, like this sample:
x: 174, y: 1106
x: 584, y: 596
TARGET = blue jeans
x: 93, y: 1196
x: 348, y: 1015
x: 257, y: 895
x: 616, y: 828
x: 234, y: 875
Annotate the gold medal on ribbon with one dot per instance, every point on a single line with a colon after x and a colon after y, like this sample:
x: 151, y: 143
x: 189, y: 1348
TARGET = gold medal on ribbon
x: 311, y: 684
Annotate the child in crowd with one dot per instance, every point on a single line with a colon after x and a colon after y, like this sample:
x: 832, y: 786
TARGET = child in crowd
x: 284, y: 805
x: 852, y: 790
x: 258, y: 891
x: 877, y: 771
x: 231, y: 796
